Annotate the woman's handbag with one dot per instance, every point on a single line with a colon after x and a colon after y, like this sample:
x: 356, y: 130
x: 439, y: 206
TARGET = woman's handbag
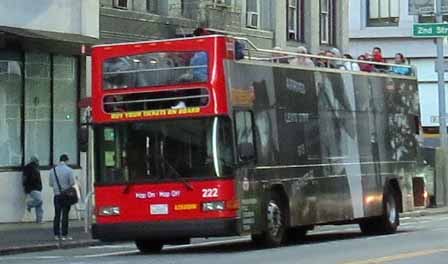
x: 68, y: 196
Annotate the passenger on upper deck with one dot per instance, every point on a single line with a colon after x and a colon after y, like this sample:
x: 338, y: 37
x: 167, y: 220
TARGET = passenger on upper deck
x: 399, y: 59
x: 301, y: 60
x: 351, y: 65
x: 365, y: 67
x: 377, y: 56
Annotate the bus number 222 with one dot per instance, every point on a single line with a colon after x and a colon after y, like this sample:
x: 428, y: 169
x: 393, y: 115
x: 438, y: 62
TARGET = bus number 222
x: 208, y: 193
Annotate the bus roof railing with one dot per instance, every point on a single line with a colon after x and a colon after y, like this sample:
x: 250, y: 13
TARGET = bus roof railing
x: 289, y: 54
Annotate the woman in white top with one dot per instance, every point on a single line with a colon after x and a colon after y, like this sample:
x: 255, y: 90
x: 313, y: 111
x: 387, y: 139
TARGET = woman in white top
x: 351, y: 65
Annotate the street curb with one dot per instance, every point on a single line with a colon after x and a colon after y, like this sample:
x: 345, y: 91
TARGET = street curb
x: 427, y: 212
x: 48, y: 246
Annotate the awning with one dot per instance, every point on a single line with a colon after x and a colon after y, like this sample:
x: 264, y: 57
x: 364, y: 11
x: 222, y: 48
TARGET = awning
x: 48, y: 41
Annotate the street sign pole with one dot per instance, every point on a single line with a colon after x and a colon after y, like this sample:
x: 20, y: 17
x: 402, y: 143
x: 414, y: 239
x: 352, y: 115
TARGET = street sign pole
x: 441, y: 82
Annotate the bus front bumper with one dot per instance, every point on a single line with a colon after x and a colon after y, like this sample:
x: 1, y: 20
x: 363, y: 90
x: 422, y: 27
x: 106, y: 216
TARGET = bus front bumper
x: 166, y: 230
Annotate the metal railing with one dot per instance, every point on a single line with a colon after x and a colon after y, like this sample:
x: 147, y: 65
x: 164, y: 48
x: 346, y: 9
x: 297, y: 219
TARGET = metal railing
x: 259, y: 54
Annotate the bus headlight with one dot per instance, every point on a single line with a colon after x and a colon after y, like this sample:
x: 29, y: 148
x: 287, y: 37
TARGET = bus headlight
x: 213, y: 206
x: 109, y: 211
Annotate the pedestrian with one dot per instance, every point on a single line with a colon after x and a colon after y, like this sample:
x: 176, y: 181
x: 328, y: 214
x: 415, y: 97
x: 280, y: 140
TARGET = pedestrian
x: 61, y: 178
x: 399, y: 59
x: 32, y: 185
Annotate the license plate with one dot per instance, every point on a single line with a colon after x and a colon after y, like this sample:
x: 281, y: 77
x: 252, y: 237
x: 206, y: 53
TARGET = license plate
x: 158, y: 209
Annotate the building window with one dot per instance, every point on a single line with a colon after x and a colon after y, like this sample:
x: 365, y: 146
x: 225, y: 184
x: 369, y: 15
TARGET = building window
x: 253, y: 13
x: 430, y: 19
x: 295, y: 20
x: 123, y: 4
x: 383, y: 13
x: 11, y: 109
x: 152, y: 6
x: 327, y: 21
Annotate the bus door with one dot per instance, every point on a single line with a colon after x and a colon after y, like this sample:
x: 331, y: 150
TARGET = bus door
x: 245, y: 170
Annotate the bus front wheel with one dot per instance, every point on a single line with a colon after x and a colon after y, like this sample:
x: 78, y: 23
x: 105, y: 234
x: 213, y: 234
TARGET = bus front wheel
x: 276, y: 215
x: 149, y: 246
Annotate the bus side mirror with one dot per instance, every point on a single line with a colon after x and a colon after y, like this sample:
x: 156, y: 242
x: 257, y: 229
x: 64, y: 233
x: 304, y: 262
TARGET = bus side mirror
x: 246, y: 151
x: 83, y: 138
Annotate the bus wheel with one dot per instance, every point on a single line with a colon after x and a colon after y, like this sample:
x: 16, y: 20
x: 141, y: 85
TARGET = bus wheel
x: 149, y: 246
x: 389, y: 221
x: 274, y: 232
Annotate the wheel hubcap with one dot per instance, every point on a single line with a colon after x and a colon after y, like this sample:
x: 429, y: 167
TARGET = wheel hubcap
x: 391, y: 210
x: 274, y: 218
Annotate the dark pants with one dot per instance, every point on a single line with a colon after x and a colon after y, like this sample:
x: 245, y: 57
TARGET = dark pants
x: 60, y: 207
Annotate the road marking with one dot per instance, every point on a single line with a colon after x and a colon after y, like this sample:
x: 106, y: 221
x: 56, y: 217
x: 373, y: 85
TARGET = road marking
x: 108, y: 254
x: 397, y: 257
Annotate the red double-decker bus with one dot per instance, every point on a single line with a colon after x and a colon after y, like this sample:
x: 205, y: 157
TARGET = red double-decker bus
x: 190, y: 142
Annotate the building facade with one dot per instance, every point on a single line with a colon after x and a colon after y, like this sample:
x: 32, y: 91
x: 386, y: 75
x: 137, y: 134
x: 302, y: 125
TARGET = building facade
x: 283, y: 23
x: 388, y: 25
x: 42, y: 71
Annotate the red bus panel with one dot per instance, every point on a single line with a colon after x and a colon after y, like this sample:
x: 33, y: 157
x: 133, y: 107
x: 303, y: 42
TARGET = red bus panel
x: 166, y: 201
x: 217, y: 49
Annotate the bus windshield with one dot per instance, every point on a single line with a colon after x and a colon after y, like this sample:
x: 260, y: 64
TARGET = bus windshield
x: 155, y: 69
x: 164, y: 150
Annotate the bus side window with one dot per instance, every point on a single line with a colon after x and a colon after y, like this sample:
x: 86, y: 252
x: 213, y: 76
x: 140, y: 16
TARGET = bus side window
x: 244, y: 136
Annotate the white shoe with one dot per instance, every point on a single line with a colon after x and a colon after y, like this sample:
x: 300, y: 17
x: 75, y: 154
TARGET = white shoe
x: 66, y: 238
x: 56, y: 238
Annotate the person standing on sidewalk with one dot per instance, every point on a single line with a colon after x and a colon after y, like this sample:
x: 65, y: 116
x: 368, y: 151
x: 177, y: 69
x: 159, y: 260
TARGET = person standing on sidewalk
x: 32, y: 185
x: 64, y: 180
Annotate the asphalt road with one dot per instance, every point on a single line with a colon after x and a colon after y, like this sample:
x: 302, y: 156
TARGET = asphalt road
x: 420, y: 240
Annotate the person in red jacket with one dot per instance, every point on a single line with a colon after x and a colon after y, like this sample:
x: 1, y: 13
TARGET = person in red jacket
x: 377, y: 56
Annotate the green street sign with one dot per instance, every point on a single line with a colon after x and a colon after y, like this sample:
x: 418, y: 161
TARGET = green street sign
x: 430, y: 30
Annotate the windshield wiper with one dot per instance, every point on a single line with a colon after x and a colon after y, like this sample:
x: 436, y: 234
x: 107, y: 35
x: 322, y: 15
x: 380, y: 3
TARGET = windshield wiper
x: 177, y: 174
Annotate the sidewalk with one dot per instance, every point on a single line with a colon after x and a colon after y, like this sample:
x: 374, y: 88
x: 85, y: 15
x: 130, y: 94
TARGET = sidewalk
x: 27, y: 237
x: 426, y: 212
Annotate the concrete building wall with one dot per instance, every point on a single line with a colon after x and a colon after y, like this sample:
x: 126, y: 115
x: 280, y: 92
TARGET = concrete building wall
x: 393, y: 39
x: 68, y: 16
x: 13, y: 199
x: 74, y: 17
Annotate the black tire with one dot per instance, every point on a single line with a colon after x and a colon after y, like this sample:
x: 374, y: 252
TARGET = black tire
x: 148, y: 246
x: 296, y: 234
x: 390, y: 220
x: 276, y: 215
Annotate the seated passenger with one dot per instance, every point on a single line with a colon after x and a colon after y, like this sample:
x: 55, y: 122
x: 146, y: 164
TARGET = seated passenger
x: 350, y: 65
x: 279, y: 57
x: 301, y: 60
x: 365, y: 67
x: 399, y: 59
x: 200, y: 64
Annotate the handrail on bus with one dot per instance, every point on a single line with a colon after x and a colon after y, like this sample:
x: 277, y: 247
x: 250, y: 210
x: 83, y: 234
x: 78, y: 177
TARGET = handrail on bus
x: 295, y: 54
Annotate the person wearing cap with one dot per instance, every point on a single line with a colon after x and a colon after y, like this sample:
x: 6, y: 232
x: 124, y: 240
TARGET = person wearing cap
x: 66, y: 180
x: 32, y: 185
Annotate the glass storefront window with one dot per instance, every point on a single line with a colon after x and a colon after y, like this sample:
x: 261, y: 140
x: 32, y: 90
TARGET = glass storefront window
x: 10, y: 109
x: 37, y: 107
x: 65, y: 82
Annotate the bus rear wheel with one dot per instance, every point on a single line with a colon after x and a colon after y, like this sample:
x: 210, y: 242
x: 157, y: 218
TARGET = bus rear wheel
x: 389, y: 221
x: 276, y: 215
x: 149, y: 246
